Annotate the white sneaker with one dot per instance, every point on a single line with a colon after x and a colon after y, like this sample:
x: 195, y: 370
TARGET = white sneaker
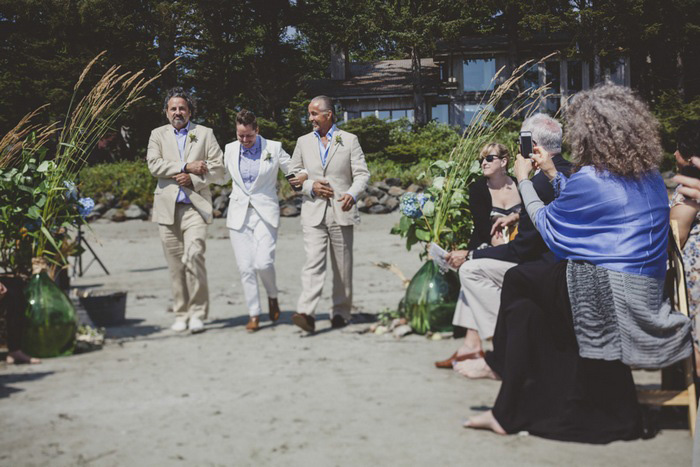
x: 196, y: 325
x: 179, y: 325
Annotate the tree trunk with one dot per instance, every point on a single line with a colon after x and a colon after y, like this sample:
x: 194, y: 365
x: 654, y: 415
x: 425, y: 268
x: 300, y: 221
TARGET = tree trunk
x: 418, y: 97
x: 165, y: 36
x: 512, y: 18
x: 681, y: 76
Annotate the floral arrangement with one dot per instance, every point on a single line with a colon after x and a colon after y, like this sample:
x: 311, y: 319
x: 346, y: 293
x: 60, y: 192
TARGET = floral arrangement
x: 39, y: 166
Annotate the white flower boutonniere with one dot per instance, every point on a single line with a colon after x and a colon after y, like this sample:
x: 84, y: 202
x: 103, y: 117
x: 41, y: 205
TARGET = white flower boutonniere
x: 193, y: 137
x: 267, y: 156
x: 338, y: 140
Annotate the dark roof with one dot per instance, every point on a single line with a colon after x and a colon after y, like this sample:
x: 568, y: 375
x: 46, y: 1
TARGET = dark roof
x: 382, y: 78
x: 544, y: 43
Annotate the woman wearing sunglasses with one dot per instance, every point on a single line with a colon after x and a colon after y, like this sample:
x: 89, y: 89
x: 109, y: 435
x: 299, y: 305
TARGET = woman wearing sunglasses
x: 494, y: 203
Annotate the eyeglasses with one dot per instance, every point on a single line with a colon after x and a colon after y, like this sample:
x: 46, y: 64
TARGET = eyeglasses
x: 490, y: 158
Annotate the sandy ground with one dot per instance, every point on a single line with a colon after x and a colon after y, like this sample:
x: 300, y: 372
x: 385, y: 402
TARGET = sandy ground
x: 277, y: 397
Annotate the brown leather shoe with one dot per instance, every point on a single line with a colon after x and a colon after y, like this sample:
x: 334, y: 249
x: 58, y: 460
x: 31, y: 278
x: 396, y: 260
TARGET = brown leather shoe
x: 338, y: 322
x: 253, y: 324
x: 304, y: 321
x: 274, y: 308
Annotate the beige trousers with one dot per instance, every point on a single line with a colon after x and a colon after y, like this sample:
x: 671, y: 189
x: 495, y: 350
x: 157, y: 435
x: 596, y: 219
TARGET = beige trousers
x: 184, y: 247
x: 480, y: 294
x: 317, y: 240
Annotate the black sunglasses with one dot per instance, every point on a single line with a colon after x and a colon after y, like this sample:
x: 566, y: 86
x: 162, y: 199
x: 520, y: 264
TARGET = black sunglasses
x: 490, y: 158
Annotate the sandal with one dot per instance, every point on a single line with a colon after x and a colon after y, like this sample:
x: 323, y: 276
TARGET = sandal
x: 447, y: 364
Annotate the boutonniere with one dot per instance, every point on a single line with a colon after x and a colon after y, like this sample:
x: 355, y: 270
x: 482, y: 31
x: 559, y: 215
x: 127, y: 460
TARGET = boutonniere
x: 193, y: 138
x: 338, y: 140
x: 267, y: 156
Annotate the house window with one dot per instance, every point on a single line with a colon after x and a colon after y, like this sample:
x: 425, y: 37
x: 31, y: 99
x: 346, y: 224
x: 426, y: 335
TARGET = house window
x: 574, y: 75
x: 617, y: 72
x: 471, y: 113
x: 441, y: 113
x: 478, y: 74
x: 531, y: 79
x: 553, y: 79
x: 389, y: 115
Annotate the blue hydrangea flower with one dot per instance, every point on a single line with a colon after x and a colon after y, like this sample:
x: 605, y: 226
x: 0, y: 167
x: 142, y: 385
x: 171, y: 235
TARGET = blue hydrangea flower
x: 410, y: 205
x: 422, y: 198
x: 85, y: 206
x: 71, y: 191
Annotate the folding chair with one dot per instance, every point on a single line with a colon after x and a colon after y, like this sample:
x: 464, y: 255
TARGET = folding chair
x: 679, y: 298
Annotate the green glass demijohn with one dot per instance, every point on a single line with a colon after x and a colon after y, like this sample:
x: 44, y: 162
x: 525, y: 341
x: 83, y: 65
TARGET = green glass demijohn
x: 431, y: 298
x: 50, y: 319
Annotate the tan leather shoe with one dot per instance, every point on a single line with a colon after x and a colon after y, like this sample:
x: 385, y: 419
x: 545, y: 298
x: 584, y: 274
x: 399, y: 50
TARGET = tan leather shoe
x: 274, y: 308
x: 304, y: 321
x: 253, y: 324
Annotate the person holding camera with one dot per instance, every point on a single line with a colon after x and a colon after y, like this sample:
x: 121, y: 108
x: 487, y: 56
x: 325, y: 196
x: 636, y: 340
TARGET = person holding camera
x: 253, y: 217
x: 568, y: 332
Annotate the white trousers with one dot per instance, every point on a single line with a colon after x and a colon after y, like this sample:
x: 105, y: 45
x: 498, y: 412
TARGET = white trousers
x: 254, y: 247
x: 480, y: 294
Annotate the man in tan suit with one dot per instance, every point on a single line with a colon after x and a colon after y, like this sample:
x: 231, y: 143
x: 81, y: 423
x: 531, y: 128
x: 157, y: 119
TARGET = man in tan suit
x: 186, y: 158
x: 337, y: 174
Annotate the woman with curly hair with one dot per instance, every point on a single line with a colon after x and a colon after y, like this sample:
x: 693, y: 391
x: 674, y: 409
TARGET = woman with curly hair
x: 568, y: 333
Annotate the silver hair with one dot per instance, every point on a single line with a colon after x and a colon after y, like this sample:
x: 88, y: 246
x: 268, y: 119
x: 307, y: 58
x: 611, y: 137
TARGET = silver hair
x: 325, y: 103
x: 546, y: 132
x: 179, y: 92
x: 611, y: 129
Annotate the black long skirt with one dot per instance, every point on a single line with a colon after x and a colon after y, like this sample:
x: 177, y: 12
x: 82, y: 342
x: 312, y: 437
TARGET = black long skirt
x: 548, y: 389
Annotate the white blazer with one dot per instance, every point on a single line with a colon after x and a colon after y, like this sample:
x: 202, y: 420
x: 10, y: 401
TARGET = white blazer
x: 263, y: 192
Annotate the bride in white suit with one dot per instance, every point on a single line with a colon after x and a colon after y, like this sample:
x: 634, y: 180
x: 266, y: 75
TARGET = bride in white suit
x: 252, y: 162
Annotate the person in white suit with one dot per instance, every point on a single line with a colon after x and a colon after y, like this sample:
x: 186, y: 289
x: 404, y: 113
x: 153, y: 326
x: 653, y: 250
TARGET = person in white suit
x: 252, y: 162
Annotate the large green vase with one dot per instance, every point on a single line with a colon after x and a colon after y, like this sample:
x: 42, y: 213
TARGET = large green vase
x: 431, y: 298
x: 51, y: 323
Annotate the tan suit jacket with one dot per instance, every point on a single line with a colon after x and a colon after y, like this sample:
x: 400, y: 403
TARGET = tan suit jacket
x: 163, y: 159
x: 345, y: 170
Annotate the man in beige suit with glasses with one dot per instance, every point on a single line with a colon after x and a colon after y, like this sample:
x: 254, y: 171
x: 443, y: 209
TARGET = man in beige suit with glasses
x: 337, y: 174
x: 185, y: 158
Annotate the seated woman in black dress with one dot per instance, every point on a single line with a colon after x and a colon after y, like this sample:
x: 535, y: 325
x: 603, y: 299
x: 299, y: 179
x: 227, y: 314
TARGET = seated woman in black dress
x: 568, y: 332
x: 495, y: 205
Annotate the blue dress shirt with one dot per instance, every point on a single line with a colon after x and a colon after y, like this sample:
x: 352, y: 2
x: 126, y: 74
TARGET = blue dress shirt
x: 181, y: 137
x: 249, y: 163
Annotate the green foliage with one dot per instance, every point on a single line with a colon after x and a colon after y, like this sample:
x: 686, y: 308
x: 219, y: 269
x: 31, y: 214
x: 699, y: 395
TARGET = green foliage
x: 129, y: 181
x: 372, y: 133
x: 456, y: 216
x: 23, y: 223
x: 381, y: 169
x: 671, y: 112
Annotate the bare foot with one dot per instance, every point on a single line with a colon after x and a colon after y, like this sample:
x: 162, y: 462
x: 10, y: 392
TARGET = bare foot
x: 18, y: 357
x: 476, y: 368
x: 485, y: 421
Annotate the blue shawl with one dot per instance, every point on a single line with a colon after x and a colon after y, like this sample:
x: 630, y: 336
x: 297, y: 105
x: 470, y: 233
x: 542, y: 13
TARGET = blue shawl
x: 614, y: 222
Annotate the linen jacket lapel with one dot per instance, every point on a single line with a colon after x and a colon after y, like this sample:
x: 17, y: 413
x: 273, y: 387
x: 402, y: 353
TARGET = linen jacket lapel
x: 334, y: 147
x: 313, y: 163
x: 234, y: 167
x: 189, y: 142
x: 264, y: 165
x: 171, y: 151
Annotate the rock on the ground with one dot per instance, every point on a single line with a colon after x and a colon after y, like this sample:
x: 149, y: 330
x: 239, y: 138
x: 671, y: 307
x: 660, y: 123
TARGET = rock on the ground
x: 401, y: 331
x: 367, y: 203
x: 393, y: 181
x: 115, y: 215
x: 396, y: 191
x: 220, y: 203
x: 382, y: 186
x: 378, y: 209
x: 289, y: 210
x: 134, y: 212
x: 374, y: 191
x: 413, y: 188
x: 391, y: 204
x: 100, y: 208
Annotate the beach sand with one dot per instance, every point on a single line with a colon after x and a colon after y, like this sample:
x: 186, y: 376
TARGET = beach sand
x: 277, y: 397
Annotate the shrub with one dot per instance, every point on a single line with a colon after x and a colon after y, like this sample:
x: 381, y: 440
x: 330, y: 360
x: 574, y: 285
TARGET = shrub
x: 372, y: 132
x: 129, y: 181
